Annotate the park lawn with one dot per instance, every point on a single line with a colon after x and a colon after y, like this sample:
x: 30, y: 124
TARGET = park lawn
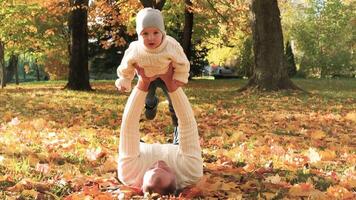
x: 57, y: 144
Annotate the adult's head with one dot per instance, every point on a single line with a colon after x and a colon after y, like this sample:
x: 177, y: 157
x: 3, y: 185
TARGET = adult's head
x: 159, y: 178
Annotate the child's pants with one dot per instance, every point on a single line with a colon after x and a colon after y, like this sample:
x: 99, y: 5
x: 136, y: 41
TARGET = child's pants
x: 152, y: 101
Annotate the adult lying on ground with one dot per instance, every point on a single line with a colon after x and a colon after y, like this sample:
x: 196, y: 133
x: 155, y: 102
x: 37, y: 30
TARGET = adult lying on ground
x: 159, y: 168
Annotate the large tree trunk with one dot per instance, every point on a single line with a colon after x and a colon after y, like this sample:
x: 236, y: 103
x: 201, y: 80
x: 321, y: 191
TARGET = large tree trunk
x: 188, y: 29
x: 270, y: 69
x: 157, y: 4
x: 78, y: 65
x: 2, y: 65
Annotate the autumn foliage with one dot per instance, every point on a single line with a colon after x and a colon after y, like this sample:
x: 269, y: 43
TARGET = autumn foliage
x: 57, y: 144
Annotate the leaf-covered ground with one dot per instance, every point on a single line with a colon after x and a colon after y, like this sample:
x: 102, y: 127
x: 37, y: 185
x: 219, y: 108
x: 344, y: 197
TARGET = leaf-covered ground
x: 58, y: 144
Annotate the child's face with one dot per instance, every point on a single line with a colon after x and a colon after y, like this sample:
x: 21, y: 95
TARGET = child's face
x: 152, y: 37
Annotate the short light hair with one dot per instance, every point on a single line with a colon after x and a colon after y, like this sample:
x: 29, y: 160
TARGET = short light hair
x: 169, y: 190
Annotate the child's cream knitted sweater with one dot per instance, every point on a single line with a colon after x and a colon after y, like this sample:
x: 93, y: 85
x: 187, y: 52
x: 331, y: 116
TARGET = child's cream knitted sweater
x: 153, y: 61
x: 135, y: 157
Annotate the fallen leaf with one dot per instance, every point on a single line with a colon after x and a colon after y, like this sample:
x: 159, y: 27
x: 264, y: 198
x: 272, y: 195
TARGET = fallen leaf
x: 110, y: 165
x: 317, y: 135
x: 301, y: 190
x: 43, y: 168
x: 351, y: 116
x: 313, y: 155
x: 30, y: 193
x: 339, y: 192
x: 94, y: 154
x: 327, y: 155
x: 14, y: 122
x: 228, y: 186
x: 274, y: 179
x: 28, y: 184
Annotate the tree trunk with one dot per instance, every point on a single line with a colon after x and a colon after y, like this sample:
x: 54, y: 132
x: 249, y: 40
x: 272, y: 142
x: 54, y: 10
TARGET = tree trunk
x: 188, y: 29
x: 270, y: 69
x: 12, y: 68
x: 2, y: 65
x: 78, y: 78
x: 157, y: 4
x: 37, y: 71
x: 17, y: 71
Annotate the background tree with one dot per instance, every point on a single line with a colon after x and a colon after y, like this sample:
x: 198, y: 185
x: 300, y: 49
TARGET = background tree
x: 109, y: 35
x: 78, y: 78
x: 291, y: 67
x: 157, y: 4
x: 2, y: 65
x: 221, y: 27
x: 13, y: 68
x: 270, y: 71
x: 19, y: 35
x: 324, y: 38
x: 247, y: 58
x: 188, y: 29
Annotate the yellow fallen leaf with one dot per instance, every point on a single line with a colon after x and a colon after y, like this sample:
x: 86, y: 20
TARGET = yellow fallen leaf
x: 306, y: 190
x: 228, y: 186
x: 236, y: 136
x: 327, y: 155
x: 269, y: 195
x: 233, y: 195
x: 30, y: 193
x: 274, y: 179
x: 351, y: 116
x: 33, y: 160
x: 301, y: 190
x: 39, y: 124
x: 7, y: 116
x: 317, y: 135
x: 110, y: 165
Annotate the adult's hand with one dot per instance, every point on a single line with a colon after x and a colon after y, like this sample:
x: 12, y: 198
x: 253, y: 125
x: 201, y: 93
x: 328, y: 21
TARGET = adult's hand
x: 143, y: 81
x: 172, y: 85
x: 119, y: 87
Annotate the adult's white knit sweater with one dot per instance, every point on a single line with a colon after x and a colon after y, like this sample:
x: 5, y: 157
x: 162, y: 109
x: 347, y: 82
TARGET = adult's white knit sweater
x: 135, y: 157
x: 153, y: 61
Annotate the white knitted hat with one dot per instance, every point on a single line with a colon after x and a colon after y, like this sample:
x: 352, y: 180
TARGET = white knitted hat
x: 149, y: 17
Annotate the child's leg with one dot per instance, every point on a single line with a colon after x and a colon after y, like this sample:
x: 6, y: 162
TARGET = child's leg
x: 151, y: 101
x: 171, y: 110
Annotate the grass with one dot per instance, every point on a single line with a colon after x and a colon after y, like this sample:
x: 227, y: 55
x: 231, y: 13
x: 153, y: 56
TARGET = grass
x: 76, y: 135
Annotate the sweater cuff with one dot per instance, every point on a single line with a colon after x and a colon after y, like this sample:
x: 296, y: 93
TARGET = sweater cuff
x: 124, y: 82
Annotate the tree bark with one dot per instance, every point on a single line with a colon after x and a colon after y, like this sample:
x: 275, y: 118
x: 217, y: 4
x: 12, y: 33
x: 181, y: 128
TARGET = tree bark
x: 12, y: 68
x: 37, y: 71
x: 78, y: 78
x: 16, y: 67
x: 188, y: 29
x: 2, y: 65
x: 270, y: 69
x: 157, y: 4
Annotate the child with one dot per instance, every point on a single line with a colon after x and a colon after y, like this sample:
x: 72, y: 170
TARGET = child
x: 152, y: 54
